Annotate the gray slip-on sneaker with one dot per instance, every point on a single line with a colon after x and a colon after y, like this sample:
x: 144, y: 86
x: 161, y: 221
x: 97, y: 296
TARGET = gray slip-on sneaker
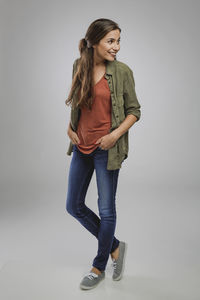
x: 91, y: 279
x: 119, y: 264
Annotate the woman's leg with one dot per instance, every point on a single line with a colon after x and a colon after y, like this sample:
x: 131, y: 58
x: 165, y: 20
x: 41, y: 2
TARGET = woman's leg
x: 80, y: 174
x: 107, y: 185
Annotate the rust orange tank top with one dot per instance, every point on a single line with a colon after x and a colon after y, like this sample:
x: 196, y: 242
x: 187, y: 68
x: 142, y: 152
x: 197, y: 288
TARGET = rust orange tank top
x: 97, y: 122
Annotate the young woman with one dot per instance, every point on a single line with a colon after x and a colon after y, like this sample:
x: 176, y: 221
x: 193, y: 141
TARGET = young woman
x: 104, y: 107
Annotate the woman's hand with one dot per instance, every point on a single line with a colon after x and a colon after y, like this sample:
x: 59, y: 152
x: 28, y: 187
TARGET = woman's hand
x: 107, y: 141
x: 73, y: 136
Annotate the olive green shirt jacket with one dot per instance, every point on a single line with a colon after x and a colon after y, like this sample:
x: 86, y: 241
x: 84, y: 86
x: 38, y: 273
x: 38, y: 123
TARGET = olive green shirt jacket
x: 124, y: 102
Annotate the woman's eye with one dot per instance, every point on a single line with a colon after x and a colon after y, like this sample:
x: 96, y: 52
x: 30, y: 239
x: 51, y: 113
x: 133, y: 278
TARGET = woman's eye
x: 112, y: 41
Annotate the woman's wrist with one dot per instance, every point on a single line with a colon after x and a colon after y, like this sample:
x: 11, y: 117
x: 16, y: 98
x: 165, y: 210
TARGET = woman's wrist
x: 115, y: 134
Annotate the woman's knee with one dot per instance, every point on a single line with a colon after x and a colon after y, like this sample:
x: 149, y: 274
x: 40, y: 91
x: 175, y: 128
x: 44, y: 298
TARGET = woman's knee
x: 75, y: 211
x: 108, y: 214
x: 69, y: 208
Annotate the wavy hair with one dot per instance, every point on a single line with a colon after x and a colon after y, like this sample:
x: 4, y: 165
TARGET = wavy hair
x: 83, y: 77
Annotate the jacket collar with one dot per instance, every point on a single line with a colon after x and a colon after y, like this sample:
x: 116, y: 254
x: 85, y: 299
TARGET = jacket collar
x: 110, y: 65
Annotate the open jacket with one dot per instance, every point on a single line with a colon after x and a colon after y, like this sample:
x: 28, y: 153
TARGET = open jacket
x: 124, y: 102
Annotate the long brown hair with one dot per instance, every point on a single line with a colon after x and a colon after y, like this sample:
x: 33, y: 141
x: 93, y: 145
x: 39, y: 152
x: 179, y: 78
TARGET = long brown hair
x: 83, y: 77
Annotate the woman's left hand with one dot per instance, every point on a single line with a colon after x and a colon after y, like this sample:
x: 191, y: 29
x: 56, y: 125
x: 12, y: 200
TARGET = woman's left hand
x: 107, y: 141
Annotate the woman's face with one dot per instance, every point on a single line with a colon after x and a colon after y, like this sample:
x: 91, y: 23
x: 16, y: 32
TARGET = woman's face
x: 108, y: 47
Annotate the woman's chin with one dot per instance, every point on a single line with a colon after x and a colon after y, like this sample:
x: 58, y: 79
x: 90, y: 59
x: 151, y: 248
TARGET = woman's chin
x: 110, y: 58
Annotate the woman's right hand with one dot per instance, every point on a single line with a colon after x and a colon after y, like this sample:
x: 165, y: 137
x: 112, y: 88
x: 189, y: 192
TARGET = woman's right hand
x: 73, y: 136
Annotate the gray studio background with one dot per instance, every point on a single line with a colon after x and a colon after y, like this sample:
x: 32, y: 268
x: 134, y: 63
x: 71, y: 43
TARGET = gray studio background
x: 43, y: 250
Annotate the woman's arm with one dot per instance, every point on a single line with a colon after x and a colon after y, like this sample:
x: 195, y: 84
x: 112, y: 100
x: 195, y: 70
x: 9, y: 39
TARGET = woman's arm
x: 72, y: 135
x: 124, y: 126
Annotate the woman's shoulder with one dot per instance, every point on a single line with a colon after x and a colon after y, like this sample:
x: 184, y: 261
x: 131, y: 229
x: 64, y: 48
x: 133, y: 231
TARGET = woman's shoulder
x: 121, y: 66
x: 76, y: 61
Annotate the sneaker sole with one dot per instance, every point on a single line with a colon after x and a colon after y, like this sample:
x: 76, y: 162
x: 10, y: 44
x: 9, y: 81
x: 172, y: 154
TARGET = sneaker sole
x: 123, y: 264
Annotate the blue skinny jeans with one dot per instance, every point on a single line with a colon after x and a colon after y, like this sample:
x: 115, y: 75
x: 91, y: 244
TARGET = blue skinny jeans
x: 80, y: 173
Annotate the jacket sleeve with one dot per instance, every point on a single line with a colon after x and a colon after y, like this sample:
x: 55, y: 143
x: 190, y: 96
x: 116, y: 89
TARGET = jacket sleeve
x: 131, y: 104
x: 72, y: 110
x: 73, y: 71
x: 73, y: 113
x: 74, y: 67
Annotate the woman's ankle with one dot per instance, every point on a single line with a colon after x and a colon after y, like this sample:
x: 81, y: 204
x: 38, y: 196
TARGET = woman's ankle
x: 115, y: 253
x: 95, y: 270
